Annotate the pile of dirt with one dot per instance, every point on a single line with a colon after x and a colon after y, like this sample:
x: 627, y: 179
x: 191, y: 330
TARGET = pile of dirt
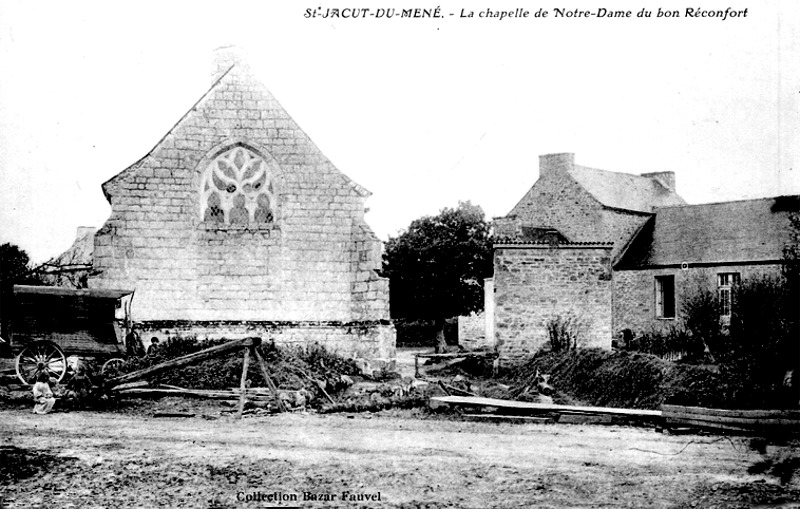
x: 624, y: 379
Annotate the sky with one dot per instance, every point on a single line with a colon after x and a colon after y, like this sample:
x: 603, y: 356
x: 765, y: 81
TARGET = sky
x: 422, y: 112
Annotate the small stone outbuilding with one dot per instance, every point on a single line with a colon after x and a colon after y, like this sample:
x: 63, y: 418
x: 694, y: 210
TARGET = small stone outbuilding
x: 236, y: 224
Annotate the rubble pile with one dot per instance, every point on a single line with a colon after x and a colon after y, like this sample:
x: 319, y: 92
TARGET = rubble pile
x: 306, y: 378
x: 313, y: 370
x: 369, y: 396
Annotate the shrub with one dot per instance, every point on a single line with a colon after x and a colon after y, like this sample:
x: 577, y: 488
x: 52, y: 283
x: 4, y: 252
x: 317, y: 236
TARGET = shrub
x: 763, y: 345
x: 703, y: 330
x: 673, y: 344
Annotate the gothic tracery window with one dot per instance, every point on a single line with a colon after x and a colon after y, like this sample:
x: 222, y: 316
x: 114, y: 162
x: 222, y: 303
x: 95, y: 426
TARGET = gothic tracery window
x: 236, y: 189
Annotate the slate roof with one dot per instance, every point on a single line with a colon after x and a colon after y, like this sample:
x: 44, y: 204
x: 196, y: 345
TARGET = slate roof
x: 715, y: 233
x: 623, y: 190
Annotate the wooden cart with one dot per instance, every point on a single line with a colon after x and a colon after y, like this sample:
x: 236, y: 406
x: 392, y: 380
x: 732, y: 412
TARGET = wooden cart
x: 49, y: 324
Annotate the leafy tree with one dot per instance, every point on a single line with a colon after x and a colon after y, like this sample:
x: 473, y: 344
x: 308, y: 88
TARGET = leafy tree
x: 14, y: 265
x: 437, y: 266
x: 15, y: 268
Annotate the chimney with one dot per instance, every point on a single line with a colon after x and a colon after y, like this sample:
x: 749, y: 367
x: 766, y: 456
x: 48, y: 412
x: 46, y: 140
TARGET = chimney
x: 226, y: 57
x: 84, y: 231
x: 665, y: 178
x: 551, y: 163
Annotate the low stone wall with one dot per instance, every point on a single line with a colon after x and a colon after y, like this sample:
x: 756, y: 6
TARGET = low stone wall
x: 370, y: 340
x: 472, y: 331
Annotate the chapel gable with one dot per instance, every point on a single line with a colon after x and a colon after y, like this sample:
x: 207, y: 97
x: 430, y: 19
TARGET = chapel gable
x: 235, y: 223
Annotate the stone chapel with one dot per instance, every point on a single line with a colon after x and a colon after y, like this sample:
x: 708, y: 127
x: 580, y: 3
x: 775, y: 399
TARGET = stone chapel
x: 236, y: 224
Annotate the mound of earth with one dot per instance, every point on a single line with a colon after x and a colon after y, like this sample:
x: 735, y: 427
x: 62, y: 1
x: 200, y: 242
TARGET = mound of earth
x: 625, y: 379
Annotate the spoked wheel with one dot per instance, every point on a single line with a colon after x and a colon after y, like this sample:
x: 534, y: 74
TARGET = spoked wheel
x: 41, y: 356
x: 112, y: 365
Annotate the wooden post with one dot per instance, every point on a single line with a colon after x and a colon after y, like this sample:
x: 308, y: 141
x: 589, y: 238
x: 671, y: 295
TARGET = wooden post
x: 416, y: 366
x: 243, y: 385
x: 271, y: 385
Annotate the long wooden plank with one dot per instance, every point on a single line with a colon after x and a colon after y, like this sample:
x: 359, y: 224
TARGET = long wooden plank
x: 740, y: 414
x: 200, y: 393
x: 543, y: 407
x: 186, y: 360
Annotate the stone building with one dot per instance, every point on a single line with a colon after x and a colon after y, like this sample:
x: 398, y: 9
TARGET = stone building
x: 684, y: 248
x: 606, y: 252
x: 236, y: 224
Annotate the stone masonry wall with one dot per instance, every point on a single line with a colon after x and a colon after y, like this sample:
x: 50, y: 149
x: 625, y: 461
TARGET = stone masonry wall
x: 536, y: 283
x: 363, y: 340
x: 472, y: 331
x: 315, y: 260
x: 635, y: 293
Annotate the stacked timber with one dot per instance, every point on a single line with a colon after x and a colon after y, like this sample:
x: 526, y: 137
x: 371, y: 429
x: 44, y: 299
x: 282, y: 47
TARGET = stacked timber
x: 745, y: 421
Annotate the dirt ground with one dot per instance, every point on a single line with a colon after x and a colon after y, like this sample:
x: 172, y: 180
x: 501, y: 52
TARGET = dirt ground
x: 402, y: 460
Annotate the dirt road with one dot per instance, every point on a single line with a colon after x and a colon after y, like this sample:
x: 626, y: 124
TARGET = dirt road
x: 94, y: 459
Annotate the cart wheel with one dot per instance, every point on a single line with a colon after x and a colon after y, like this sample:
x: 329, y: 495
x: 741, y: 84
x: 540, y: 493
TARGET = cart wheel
x: 41, y: 356
x: 111, y: 365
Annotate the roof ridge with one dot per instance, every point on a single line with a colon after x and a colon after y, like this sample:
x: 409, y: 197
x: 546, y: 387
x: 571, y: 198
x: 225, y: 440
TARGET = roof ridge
x: 171, y: 129
x: 612, y: 172
x: 740, y: 200
x: 510, y: 240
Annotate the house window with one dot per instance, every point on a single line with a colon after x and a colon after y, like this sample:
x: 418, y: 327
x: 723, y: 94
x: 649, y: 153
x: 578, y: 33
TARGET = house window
x: 725, y: 283
x: 236, y: 189
x: 665, y: 297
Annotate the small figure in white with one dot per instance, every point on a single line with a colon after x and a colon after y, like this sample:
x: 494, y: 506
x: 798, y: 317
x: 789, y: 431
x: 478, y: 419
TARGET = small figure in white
x: 42, y: 394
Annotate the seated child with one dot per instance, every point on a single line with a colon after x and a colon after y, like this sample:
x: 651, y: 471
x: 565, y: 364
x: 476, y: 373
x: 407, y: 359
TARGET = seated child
x: 42, y: 394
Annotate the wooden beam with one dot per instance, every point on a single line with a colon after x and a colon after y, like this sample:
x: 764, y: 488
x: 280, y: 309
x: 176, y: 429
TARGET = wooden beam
x: 132, y: 385
x: 186, y: 360
x: 271, y: 385
x: 450, y: 390
x: 739, y: 414
x: 199, y: 393
x: 787, y: 421
x: 243, y: 384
